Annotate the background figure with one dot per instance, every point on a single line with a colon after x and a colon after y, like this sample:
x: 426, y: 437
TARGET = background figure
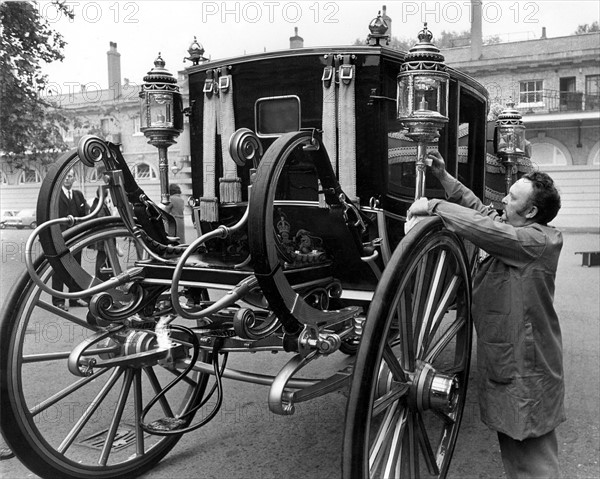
x: 71, y: 202
x: 100, y: 247
x: 176, y: 209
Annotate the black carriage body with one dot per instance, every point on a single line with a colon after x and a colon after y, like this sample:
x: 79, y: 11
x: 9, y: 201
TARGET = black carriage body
x: 299, y: 73
x: 385, y: 158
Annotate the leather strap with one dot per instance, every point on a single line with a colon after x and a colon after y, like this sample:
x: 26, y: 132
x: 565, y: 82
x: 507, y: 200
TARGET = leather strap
x: 347, y: 128
x: 208, y: 202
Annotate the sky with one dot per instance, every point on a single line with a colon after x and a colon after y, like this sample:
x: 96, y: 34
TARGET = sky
x: 142, y: 29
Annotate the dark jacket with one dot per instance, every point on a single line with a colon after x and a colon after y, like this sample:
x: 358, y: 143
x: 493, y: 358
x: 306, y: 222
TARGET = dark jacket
x: 77, y: 206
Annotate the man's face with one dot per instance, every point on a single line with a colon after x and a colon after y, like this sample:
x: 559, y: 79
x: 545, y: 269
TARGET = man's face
x: 518, y: 210
x: 68, y: 182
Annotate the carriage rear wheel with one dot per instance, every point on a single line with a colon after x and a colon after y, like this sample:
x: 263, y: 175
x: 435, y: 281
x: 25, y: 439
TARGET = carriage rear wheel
x: 64, y: 425
x: 410, y: 377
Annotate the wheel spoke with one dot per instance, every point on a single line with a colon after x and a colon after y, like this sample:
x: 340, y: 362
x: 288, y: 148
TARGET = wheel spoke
x: 449, y: 419
x: 445, y: 339
x: 425, y: 445
x: 412, y: 453
x: 63, y: 314
x: 387, y: 435
x: 137, y: 407
x: 85, y: 417
x: 444, y: 304
x: 397, y: 391
x: 392, y: 362
x: 157, y: 388
x: 116, y: 420
x: 36, y: 358
x: 395, y: 445
x: 60, y: 395
x: 404, y: 312
x: 428, y: 321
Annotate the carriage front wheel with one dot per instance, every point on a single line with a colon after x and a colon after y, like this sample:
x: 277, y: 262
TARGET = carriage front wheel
x: 65, y: 426
x: 410, y: 378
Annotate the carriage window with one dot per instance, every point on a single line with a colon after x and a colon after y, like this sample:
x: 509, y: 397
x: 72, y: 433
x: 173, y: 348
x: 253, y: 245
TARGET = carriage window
x: 402, y: 156
x: 277, y: 115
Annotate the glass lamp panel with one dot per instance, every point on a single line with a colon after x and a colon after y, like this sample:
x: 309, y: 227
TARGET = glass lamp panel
x: 427, y: 93
x: 511, y: 139
x: 144, y: 111
x: 161, y: 110
x: 405, y: 96
x: 442, y: 106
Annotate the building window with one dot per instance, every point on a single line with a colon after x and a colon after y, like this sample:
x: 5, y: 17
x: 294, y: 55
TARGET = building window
x: 594, y: 157
x: 545, y: 153
x: 30, y: 176
x: 592, y: 92
x: 137, y: 124
x: 531, y: 91
x: 3, y: 178
x: 143, y: 171
x: 105, y: 126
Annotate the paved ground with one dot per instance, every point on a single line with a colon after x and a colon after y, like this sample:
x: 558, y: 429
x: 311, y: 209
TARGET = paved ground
x: 246, y: 441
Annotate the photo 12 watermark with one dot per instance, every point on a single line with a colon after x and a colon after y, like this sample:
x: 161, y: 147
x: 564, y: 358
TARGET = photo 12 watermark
x: 91, y: 12
x: 270, y: 12
x: 454, y: 12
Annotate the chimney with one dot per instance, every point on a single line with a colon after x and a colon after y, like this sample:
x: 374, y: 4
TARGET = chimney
x: 476, y: 31
x: 543, y: 33
x: 114, y: 70
x: 296, y: 41
x: 387, y: 20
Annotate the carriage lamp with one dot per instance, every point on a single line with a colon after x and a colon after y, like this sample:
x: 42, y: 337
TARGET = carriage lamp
x: 509, y: 140
x: 422, y: 100
x: 161, y: 117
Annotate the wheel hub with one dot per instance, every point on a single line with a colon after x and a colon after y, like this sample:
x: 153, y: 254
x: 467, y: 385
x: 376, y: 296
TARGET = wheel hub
x: 430, y: 389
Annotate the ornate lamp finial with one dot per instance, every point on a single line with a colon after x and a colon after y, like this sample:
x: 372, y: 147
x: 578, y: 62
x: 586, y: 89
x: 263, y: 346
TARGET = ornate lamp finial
x: 379, y: 30
x: 196, y: 51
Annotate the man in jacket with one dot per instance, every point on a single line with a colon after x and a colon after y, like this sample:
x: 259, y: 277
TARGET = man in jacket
x: 519, y: 346
x: 71, y: 202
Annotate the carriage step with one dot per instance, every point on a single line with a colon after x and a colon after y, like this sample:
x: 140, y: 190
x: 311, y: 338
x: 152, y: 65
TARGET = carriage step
x: 165, y: 424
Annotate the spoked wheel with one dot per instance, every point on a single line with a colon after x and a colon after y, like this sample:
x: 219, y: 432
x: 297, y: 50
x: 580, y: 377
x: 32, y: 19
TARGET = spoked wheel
x: 411, y: 372
x: 69, y: 426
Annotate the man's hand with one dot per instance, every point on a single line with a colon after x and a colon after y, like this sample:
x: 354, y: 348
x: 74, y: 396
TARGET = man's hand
x: 419, y: 208
x: 438, y: 166
x: 415, y: 213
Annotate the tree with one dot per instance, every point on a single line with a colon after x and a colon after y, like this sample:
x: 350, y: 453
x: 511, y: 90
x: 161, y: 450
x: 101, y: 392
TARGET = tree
x: 29, y: 123
x: 587, y: 28
x: 443, y: 41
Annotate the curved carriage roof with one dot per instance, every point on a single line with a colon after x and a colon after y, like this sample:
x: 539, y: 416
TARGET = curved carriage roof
x: 394, y: 55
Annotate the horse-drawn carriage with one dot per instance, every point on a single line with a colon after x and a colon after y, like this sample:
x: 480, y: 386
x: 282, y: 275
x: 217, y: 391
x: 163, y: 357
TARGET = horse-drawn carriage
x: 304, y: 163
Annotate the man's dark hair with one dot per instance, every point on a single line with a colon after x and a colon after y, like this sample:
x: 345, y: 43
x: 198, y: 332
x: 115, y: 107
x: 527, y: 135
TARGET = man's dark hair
x: 545, y: 196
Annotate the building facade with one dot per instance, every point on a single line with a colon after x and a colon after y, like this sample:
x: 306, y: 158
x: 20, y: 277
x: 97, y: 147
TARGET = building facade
x: 555, y: 84
x: 112, y: 114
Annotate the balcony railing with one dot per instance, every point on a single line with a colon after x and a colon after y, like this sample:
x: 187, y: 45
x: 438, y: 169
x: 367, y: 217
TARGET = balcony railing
x: 561, y: 101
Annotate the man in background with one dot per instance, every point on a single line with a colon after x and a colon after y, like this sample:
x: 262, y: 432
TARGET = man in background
x: 71, y: 202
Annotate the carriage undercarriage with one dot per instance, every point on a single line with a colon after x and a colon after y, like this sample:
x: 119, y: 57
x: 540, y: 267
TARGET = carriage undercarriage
x: 415, y: 364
